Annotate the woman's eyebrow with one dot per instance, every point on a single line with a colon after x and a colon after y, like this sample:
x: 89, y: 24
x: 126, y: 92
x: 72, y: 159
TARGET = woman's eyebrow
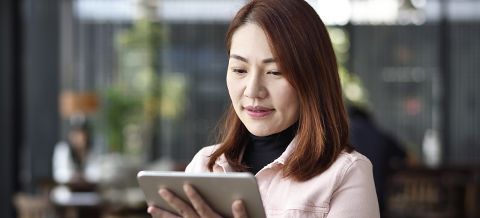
x: 269, y: 60
x: 238, y: 57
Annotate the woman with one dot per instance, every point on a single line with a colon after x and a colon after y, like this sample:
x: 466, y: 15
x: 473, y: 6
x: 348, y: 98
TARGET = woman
x: 287, y: 123
x: 72, y: 158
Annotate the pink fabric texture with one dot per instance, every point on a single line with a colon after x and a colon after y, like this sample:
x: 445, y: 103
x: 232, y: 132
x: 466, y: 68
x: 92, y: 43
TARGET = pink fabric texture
x: 345, y: 190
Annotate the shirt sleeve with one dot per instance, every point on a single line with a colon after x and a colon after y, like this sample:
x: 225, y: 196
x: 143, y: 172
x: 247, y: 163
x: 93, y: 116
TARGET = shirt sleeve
x: 355, y: 196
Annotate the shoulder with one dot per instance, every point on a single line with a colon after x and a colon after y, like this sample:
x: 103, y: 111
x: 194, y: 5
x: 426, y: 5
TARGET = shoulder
x: 347, y: 167
x: 353, y: 178
x: 352, y: 161
x: 205, y: 152
x: 200, y: 160
x: 334, y: 192
x: 352, y: 158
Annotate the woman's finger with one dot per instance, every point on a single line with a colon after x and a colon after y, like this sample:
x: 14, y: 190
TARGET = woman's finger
x: 238, y: 209
x: 182, y: 208
x: 202, y: 208
x: 159, y: 213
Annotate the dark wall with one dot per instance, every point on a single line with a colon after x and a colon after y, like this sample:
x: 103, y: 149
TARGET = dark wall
x: 40, y: 82
x: 9, y: 85
x: 464, y: 104
x: 29, y: 86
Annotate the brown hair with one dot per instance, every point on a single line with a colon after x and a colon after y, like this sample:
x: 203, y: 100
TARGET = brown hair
x: 300, y: 42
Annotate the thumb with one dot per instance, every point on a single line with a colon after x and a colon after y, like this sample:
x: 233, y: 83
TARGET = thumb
x: 238, y: 209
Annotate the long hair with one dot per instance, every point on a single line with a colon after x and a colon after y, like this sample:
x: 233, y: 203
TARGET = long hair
x: 300, y: 42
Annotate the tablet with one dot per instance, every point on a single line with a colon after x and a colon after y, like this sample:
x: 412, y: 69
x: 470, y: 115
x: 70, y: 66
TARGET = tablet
x: 219, y: 190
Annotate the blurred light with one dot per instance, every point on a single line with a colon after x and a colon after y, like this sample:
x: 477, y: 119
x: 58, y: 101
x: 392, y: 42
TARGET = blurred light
x: 339, y: 39
x: 104, y: 9
x: 375, y: 11
x: 337, y: 12
x: 419, y: 3
x: 61, y: 194
x: 354, y: 92
x: 412, y: 106
x: 333, y: 12
x: 218, y: 10
x: 420, y: 19
x: 169, y: 10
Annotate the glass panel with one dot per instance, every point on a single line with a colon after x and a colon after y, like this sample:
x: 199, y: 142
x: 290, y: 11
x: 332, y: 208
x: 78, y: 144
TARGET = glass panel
x: 157, y: 78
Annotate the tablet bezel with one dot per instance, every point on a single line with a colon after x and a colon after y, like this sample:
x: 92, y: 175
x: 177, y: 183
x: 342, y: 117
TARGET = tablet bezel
x: 220, y: 190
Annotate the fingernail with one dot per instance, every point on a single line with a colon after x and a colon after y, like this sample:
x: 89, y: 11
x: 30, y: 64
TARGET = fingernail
x: 238, y: 205
x: 187, y: 188
x: 149, y: 210
x: 163, y: 192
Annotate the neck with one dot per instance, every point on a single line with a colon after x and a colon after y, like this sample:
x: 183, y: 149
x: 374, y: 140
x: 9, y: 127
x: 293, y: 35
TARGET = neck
x: 286, y: 135
x: 262, y: 150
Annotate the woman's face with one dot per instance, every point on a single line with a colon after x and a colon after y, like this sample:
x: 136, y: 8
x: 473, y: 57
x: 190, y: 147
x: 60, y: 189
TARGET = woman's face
x: 263, y: 99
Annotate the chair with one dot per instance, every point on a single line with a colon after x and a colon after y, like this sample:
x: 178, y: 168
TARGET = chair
x: 30, y: 206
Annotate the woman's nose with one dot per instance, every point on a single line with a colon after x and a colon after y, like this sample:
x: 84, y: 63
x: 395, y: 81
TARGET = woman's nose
x: 254, y: 88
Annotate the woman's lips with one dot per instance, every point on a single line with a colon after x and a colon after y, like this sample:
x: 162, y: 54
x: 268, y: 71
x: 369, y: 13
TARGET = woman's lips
x: 258, y: 111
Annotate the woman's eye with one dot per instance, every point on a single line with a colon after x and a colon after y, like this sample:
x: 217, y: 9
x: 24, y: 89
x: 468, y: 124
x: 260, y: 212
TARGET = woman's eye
x: 276, y: 73
x: 239, y: 71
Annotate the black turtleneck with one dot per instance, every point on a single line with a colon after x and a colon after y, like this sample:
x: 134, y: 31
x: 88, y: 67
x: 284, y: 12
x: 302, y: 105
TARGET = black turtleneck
x: 262, y: 150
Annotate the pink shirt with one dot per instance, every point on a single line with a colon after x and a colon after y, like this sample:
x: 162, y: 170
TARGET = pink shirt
x: 345, y: 190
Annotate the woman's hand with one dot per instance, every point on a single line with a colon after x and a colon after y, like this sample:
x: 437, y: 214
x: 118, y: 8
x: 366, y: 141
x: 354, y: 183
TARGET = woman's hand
x: 200, y: 207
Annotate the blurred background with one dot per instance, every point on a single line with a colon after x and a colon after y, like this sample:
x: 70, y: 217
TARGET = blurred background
x: 94, y: 90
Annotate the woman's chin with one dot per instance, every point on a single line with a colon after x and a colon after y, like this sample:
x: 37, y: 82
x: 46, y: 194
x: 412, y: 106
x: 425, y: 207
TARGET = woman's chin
x: 260, y: 130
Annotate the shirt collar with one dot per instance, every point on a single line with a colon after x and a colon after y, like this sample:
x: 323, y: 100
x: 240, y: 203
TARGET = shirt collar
x: 284, y: 156
x: 222, y: 160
